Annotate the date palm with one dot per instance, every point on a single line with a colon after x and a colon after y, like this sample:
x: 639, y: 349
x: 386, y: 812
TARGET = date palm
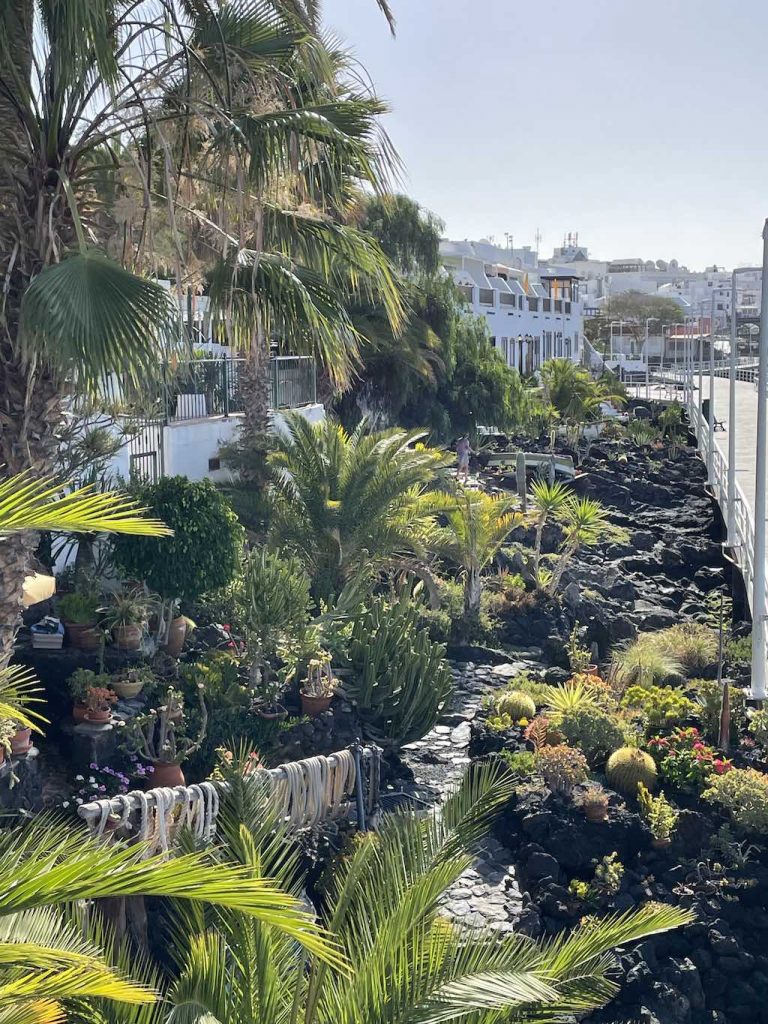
x: 475, y: 529
x: 405, y: 961
x: 138, y: 135
x: 342, y: 500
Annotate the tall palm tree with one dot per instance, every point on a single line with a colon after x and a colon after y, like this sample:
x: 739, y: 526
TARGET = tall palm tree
x: 341, y: 501
x: 406, y: 962
x: 475, y: 528
x: 114, y: 118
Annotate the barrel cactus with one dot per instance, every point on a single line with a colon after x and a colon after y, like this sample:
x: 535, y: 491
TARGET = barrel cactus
x: 627, y: 766
x: 516, y: 704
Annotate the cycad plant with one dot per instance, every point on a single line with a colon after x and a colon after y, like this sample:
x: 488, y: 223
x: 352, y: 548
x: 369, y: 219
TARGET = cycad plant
x: 475, y: 528
x: 341, y: 500
x: 405, y: 961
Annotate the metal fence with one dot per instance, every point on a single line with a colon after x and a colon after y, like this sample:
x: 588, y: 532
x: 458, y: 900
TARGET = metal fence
x: 203, y: 388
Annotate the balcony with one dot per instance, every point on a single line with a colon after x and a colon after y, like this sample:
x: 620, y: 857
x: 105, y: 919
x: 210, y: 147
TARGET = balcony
x: 486, y: 297
x: 558, y: 305
x: 533, y: 305
x: 546, y: 305
x: 506, y: 299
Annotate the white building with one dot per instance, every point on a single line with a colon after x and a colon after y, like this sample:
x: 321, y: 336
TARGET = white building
x: 532, y: 314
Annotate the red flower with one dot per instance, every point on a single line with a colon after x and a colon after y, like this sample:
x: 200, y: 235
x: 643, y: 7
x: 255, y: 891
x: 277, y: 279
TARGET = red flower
x: 699, y: 746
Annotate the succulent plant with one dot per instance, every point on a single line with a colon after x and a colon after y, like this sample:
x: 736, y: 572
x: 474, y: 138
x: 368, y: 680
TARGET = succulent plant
x: 561, y: 767
x: 515, y: 704
x: 628, y: 766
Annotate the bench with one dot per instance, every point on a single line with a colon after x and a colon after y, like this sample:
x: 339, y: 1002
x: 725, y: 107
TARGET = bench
x: 533, y: 460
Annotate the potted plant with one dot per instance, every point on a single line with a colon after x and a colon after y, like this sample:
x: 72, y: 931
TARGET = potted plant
x: 21, y: 740
x: 79, y: 614
x: 158, y: 737
x: 318, y: 688
x: 594, y: 803
x: 267, y: 689
x: 78, y: 684
x: 126, y: 615
x: 98, y: 704
x: 129, y: 682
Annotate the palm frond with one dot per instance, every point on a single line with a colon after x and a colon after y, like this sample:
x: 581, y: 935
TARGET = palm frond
x: 28, y: 502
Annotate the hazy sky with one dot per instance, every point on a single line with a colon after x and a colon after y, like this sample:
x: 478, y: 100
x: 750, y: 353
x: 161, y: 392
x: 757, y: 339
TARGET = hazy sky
x: 641, y: 124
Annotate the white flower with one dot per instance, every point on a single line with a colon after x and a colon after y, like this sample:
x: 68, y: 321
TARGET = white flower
x: 79, y: 778
x: 91, y: 778
x: 65, y: 804
x: 78, y: 800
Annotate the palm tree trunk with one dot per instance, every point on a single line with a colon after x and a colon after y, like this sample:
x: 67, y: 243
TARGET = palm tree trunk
x: 30, y: 403
x: 255, y: 388
x: 473, y: 591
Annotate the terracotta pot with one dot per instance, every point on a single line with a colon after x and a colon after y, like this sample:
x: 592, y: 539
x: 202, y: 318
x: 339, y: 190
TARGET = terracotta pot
x: 87, y: 637
x: 98, y: 717
x: 277, y: 712
x: 78, y: 711
x: 126, y: 690
x: 2, y: 755
x: 21, y: 741
x: 165, y: 774
x: 660, y: 844
x: 314, y: 706
x: 177, y: 634
x: 127, y: 638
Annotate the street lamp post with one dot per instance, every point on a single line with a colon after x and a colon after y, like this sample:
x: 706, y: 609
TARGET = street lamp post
x: 711, y: 447
x: 761, y: 499
x: 648, y: 320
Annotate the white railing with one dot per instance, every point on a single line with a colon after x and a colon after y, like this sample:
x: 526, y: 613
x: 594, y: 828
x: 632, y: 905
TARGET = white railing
x: 741, y: 545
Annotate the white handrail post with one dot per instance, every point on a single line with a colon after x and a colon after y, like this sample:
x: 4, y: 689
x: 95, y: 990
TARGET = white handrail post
x: 761, y: 505
x: 731, y: 539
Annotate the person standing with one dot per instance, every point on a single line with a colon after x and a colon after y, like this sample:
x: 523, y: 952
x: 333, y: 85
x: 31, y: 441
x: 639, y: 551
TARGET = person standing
x: 463, y: 451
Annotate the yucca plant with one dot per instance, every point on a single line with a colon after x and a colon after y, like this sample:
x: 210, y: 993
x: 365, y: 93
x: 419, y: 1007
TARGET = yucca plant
x: 547, y: 499
x: 585, y: 522
x: 405, y: 961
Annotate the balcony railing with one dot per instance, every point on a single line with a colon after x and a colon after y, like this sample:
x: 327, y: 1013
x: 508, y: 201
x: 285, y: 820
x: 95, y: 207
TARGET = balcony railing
x: 506, y: 299
x: 202, y: 388
x: 486, y: 297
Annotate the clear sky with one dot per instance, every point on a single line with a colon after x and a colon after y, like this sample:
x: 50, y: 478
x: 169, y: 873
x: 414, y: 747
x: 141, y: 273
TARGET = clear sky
x: 641, y: 124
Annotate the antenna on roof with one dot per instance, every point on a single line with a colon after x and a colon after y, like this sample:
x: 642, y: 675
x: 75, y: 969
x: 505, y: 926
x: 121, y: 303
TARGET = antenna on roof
x: 537, y: 240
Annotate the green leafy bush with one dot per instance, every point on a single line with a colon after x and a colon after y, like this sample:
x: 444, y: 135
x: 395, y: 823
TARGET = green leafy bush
x: 79, y: 608
x: 658, y: 812
x: 592, y: 730
x: 500, y: 722
x: 709, y: 699
x: 204, y: 552
x: 743, y: 793
x: 520, y: 762
x: 449, y: 624
x: 739, y: 651
x: 400, y: 679
x: 660, y: 705
x: 561, y: 767
x: 758, y: 726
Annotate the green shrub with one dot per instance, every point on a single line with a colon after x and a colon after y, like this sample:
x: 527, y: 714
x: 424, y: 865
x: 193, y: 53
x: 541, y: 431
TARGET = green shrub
x: 709, y: 699
x: 592, y: 730
x: 642, y: 662
x: 628, y: 766
x: 536, y: 688
x: 561, y: 767
x: 658, y: 812
x: 685, y: 760
x: 739, y: 651
x: 78, y: 608
x: 499, y: 722
x: 660, y: 705
x: 743, y: 793
x: 400, y: 679
x: 449, y: 624
x: 204, y: 552
x: 758, y: 726
x: 520, y: 762
x: 516, y: 704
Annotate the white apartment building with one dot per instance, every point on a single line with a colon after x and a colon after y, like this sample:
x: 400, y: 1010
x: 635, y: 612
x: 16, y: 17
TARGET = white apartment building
x: 532, y: 314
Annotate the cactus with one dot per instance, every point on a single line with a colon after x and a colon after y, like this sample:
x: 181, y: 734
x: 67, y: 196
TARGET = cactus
x: 627, y: 766
x: 401, y: 680
x: 516, y: 704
